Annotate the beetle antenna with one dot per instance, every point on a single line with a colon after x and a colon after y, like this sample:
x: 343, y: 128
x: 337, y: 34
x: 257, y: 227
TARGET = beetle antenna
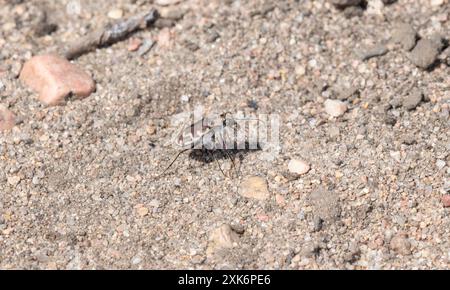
x: 170, y: 165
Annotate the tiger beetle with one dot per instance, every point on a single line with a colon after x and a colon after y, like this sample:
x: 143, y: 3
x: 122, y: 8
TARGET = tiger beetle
x: 206, y: 136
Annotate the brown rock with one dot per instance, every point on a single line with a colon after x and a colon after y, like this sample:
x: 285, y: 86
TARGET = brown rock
x: 254, y: 187
x: 55, y: 78
x: 7, y: 119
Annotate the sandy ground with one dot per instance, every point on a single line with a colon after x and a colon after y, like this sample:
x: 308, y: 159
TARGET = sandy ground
x: 79, y: 186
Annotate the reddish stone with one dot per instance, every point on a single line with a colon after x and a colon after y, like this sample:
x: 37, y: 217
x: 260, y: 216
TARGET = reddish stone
x: 7, y: 119
x: 134, y: 44
x: 54, y: 78
x: 446, y: 200
x: 164, y: 38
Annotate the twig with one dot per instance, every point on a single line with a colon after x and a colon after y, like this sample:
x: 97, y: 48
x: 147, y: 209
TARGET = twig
x: 110, y: 34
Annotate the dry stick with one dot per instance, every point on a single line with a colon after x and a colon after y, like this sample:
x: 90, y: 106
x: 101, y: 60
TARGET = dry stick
x: 111, y: 34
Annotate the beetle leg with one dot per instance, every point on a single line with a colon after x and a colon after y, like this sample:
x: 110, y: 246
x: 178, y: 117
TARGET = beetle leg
x: 178, y: 155
x: 217, y: 161
x: 232, y: 161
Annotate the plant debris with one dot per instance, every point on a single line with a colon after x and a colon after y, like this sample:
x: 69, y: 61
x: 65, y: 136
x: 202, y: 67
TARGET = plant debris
x: 111, y: 34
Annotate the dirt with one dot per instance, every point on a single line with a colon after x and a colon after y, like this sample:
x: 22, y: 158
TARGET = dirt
x: 80, y: 184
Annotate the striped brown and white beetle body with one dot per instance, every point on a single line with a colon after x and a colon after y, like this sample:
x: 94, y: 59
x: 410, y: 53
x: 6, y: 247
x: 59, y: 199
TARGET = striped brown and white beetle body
x: 207, y: 135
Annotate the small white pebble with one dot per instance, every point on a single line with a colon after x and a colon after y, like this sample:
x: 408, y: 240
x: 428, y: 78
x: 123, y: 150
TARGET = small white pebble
x: 335, y: 108
x: 298, y: 167
x: 115, y: 13
x: 440, y: 164
x: 185, y: 98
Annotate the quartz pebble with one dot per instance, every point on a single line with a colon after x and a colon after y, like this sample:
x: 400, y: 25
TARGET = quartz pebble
x: 298, y: 167
x: 115, y: 13
x: 55, y: 78
x: 335, y: 108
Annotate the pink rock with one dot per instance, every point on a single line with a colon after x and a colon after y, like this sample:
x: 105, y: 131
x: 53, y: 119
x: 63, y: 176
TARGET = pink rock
x: 446, y: 200
x: 134, y: 44
x: 7, y: 119
x: 54, y: 78
x: 164, y: 38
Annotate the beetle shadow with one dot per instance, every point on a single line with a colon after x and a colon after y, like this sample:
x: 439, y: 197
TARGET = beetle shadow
x: 209, y: 156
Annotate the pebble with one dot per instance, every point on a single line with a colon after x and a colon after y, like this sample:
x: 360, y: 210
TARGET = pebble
x: 412, y: 100
x: 405, y: 35
x: 167, y: 2
x: 141, y: 210
x: 136, y: 260
x: 300, y: 70
x: 134, y: 44
x: 345, y: 3
x: 2, y: 86
x: 224, y: 237
x: 298, y: 167
x: 375, y: 7
x: 7, y: 119
x: 172, y: 13
x: 14, y: 180
x: 401, y: 244
x: 254, y: 187
x: 446, y: 200
x: 425, y: 54
x: 115, y: 13
x: 377, y: 50
x: 437, y: 2
x: 185, y: 99
x: 55, y: 78
x: 335, y: 108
